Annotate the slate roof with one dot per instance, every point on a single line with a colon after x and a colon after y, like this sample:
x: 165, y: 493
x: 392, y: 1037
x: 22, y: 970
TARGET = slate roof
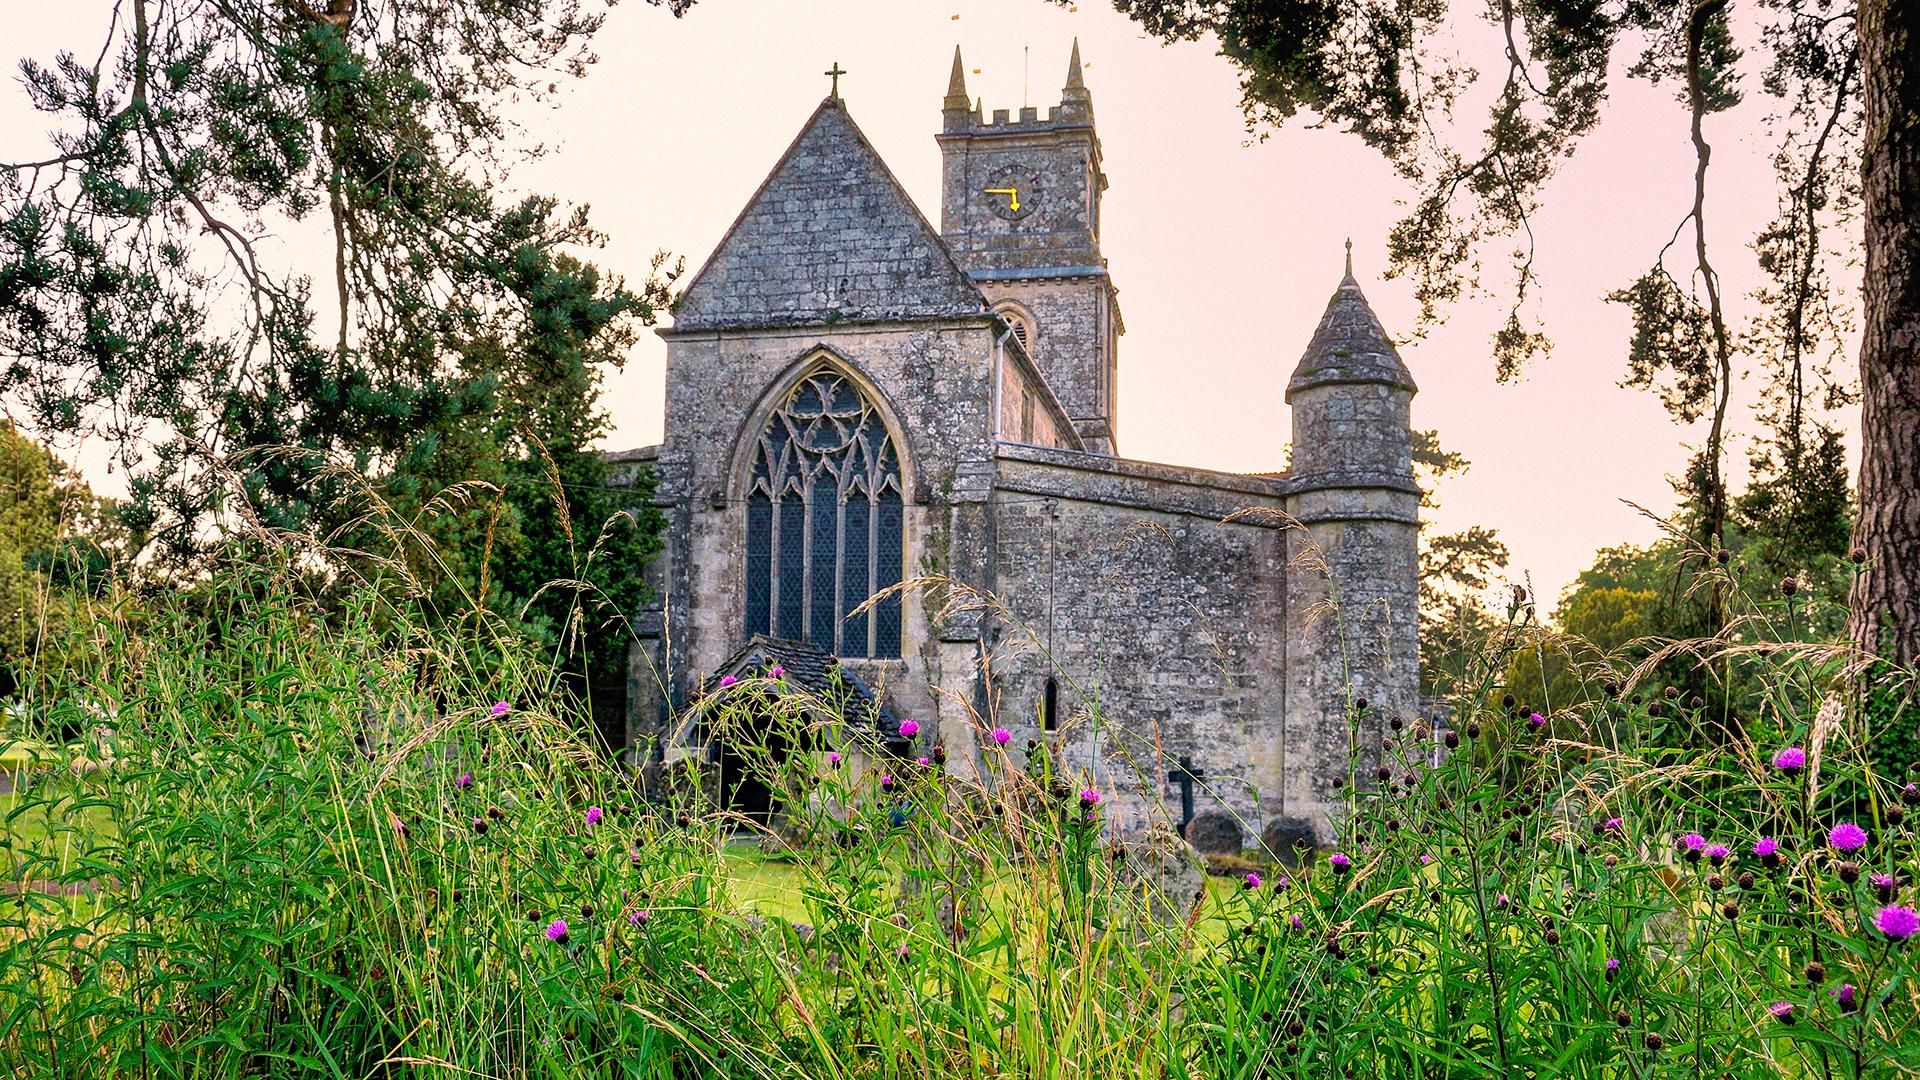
x: 811, y: 670
x: 1350, y: 345
x: 831, y: 236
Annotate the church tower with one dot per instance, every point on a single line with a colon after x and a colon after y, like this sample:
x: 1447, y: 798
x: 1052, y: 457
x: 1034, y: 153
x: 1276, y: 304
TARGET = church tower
x: 1020, y: 208
x: 1353, y: 581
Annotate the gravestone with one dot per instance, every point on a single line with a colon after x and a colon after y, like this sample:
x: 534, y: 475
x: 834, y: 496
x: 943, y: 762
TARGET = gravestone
x: 1288, y: 840
x: 1215, y: 833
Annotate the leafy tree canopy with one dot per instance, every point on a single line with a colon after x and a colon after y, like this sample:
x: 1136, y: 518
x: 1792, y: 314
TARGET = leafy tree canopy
x: 151, y: 288
x: 1387, y: 73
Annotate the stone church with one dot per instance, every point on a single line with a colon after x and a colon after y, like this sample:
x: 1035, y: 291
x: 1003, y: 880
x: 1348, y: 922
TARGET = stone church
x: 856, y: 399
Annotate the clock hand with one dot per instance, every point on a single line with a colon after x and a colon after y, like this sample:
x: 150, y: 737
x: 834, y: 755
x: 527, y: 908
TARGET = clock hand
x: 1014, y: 201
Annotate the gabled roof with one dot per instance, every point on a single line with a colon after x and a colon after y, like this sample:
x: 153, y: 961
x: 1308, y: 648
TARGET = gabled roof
x: 1350, y: 345
x: 810, y: 670
x: 831, y: 236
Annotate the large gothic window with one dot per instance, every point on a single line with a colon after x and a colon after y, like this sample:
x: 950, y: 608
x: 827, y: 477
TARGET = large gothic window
x: 824, y: 522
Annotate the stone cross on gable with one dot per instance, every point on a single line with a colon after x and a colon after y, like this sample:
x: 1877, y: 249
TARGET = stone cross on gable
x: 835, y: 71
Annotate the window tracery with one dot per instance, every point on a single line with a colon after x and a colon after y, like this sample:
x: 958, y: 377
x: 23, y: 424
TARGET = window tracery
x: 825, y: 521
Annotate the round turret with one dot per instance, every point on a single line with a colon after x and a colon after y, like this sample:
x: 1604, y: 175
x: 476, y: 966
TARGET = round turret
x: 1353, y: 578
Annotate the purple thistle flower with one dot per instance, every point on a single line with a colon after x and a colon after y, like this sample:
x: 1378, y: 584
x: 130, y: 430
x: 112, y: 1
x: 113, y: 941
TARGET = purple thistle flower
x: 726, y: 681
x: 1782, y: 1011
x: 1614, y: 824
x: 1898, y: 923
x: 1844, y: 995
x: 776, y: 672
x: 1503, y: 902
x: 1885, y: 885
x: 463, y: 781
x: 1425, y: 859
x: 1847, y: 836
x: 500, y: 709
x: 1790, y: 759
x: 1296, y: 923
x: 1536, y: 721
x: 1253, y: 881
x: 1002, y: 736
x: 1089, y: 797
x: 1717, y: 853
x: 593, y: 815
x: 1281, y: 882
x: 905, y: 952
x: 921, y: 760
x: 833, y: 758
x: 1691, y: 842
x: 557, y: 931
x: 886, y: 781
x: 639, y: 918
x: 1341, y: 864
x: 1766, y: 846
x: 1613, y: 966
x: 909, y: 728
x: 480, y: 825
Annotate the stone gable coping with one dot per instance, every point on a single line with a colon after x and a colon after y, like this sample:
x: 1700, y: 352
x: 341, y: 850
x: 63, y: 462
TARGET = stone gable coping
x: 830, y: 236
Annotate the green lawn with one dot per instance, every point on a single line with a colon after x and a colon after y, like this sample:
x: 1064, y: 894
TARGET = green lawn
x: 774, y: 886
x: 19, y: 754
x: 33, y: 828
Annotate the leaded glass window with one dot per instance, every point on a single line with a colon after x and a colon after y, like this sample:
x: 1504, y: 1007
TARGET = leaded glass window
x: 824, y: 522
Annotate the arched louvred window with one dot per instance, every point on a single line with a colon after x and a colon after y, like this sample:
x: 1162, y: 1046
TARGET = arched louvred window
x: 824, y: 522
x: 1021, y: 325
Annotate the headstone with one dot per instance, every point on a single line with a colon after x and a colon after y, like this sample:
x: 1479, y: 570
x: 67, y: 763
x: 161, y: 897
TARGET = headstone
x: 1215, y: 833
x: 1288, y: 840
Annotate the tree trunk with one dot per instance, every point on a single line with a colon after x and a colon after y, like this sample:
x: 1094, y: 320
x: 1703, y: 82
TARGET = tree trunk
x: 1886, y: 596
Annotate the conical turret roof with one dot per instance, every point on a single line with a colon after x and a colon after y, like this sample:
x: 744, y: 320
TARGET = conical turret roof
x: 1350, y: 345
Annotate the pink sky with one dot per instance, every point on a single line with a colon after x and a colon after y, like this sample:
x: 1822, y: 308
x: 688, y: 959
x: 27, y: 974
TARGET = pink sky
x: 1224, y: 249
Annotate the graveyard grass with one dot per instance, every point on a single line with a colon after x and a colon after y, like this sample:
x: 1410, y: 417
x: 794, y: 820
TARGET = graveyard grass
x: 354, y: 841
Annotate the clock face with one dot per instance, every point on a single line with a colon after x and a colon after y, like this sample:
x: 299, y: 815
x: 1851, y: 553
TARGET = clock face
x: 1012, y: 191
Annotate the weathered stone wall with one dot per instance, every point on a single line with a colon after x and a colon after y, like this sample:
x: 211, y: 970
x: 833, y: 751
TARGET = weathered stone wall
x: 1049, y: 258
x: 1029, y: 411
x: 1059, y: 155
x: 1353, y: 587
x: 1074, y: 343
x: 1361, y: 431
x: 933, y: 379
x: 1166, y: 618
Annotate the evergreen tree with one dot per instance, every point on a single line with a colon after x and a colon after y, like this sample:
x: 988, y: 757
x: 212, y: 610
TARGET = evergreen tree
x: 140, y: 298
x: 445, y: 365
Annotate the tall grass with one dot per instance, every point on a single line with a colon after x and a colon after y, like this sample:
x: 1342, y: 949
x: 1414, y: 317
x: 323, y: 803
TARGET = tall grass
x: 342, y: 843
